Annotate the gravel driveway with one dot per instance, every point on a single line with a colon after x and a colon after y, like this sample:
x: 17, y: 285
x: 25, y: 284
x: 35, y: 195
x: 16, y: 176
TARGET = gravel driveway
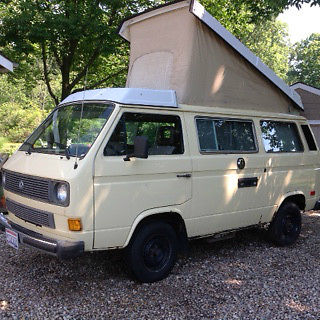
x: 241, y: 278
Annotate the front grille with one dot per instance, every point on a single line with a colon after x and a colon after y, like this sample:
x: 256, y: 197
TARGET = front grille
x: 27, y: 185
x: 35, y: 216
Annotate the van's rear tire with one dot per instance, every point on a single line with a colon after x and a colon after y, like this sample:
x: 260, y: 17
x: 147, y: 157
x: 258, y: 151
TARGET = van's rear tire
x: 152, y: 251
x: 285, y: 228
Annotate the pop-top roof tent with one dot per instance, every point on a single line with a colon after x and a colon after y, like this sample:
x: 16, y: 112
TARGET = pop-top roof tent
x: 180, y: 46
x: 5, y: 64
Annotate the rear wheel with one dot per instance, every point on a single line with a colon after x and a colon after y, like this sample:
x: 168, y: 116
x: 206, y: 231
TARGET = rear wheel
x: 286, y: 226
x: 152, y: 251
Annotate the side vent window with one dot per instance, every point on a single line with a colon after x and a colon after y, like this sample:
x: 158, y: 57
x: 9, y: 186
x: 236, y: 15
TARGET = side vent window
x: 309, y: 137
x: 226, y: 136
x: 280, y: 136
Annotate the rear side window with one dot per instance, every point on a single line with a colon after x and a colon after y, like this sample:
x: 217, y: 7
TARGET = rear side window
x: 280, y: 136
x: 224, y: 135
x: 164, y: 134
x: 309, y: 137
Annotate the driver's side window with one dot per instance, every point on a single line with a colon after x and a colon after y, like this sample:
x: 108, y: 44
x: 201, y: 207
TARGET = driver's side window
x: 164, y: 134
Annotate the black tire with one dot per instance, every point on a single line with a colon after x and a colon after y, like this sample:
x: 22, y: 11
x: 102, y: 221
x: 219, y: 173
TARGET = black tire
x: 152, y: 251
x: 285, y: 228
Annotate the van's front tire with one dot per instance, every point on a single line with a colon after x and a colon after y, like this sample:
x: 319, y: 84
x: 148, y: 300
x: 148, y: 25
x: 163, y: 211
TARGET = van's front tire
x: 152, y: 252
x: 285, y: 228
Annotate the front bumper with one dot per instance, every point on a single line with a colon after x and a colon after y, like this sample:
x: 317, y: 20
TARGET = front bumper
x: 60, y: 248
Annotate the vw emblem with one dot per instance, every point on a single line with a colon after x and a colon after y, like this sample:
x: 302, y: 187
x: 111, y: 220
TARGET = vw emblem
x: 21, y: 184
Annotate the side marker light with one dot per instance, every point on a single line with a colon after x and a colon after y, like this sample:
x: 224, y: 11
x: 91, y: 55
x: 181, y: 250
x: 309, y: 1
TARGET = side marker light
x: 74, y: 224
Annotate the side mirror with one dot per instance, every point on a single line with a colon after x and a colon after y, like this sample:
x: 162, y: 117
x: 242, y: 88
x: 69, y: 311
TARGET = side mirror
x: 140, y: 149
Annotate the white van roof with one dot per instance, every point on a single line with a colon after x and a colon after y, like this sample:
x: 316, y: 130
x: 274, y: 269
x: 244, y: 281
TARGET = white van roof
x: 134, y: 96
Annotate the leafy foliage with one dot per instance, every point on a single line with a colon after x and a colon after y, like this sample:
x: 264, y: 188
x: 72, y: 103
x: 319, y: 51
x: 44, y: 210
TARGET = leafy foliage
x: 22, y: 108
x: 3, y: 140
x: 18, y: 89
x: 16, y: 122
x: 232, y: 14
x: 270, y: 42
x: 266, y: 9
x: 296, y: 3
x: 9, y: 147
x: 305, y: 61
x: 71, y: 37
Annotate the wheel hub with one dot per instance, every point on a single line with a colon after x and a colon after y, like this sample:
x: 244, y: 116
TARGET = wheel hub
x: 156, y: 252
x: 289, y: 225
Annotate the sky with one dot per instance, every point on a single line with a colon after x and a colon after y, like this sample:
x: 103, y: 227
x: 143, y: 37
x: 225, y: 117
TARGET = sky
x: 301, y: 22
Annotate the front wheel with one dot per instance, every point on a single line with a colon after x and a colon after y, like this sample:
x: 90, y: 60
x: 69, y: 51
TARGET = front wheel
x: 285, y: 228
x: 152, y: 252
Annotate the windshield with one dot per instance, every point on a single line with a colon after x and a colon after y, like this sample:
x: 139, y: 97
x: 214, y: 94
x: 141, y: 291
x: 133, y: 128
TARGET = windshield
x: 63, y: 132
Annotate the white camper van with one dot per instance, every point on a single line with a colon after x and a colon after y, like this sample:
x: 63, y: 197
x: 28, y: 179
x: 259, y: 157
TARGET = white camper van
x: 146, y: 169
x: 148, y: 177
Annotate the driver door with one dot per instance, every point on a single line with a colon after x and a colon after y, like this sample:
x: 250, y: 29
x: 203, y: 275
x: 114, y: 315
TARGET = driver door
x: 125, y: 189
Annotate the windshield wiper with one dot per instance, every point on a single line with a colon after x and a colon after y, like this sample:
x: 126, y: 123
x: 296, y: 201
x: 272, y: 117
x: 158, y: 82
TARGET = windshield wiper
x: 30, y: 147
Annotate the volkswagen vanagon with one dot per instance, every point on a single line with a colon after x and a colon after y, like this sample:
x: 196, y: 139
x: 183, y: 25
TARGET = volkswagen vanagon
x: 132, y: 168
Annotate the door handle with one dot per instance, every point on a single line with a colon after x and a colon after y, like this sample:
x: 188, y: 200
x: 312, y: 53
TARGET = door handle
x: 185, y: 175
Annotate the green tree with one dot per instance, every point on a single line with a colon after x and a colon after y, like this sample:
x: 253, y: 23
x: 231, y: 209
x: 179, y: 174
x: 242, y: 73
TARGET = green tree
x: 18, y: 89
x: 234, y: 15
x: 16, y: 122
x: 305, y: 61
x: 22, y: 107
x: 270, y: 42
x: 266, y: 9
x: 71, y: 37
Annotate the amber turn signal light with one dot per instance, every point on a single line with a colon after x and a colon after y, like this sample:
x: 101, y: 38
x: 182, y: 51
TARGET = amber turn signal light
x: 75, y: 224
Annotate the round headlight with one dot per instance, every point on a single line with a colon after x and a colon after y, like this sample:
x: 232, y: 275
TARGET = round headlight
x: 3, y: 179
x: 62, y: 192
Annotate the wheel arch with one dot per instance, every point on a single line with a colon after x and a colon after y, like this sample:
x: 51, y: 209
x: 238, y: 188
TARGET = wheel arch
x: 171, y: 216
x: 296, y: 197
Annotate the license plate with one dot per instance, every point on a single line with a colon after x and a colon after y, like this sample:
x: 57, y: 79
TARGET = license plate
x: 12, y: 238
